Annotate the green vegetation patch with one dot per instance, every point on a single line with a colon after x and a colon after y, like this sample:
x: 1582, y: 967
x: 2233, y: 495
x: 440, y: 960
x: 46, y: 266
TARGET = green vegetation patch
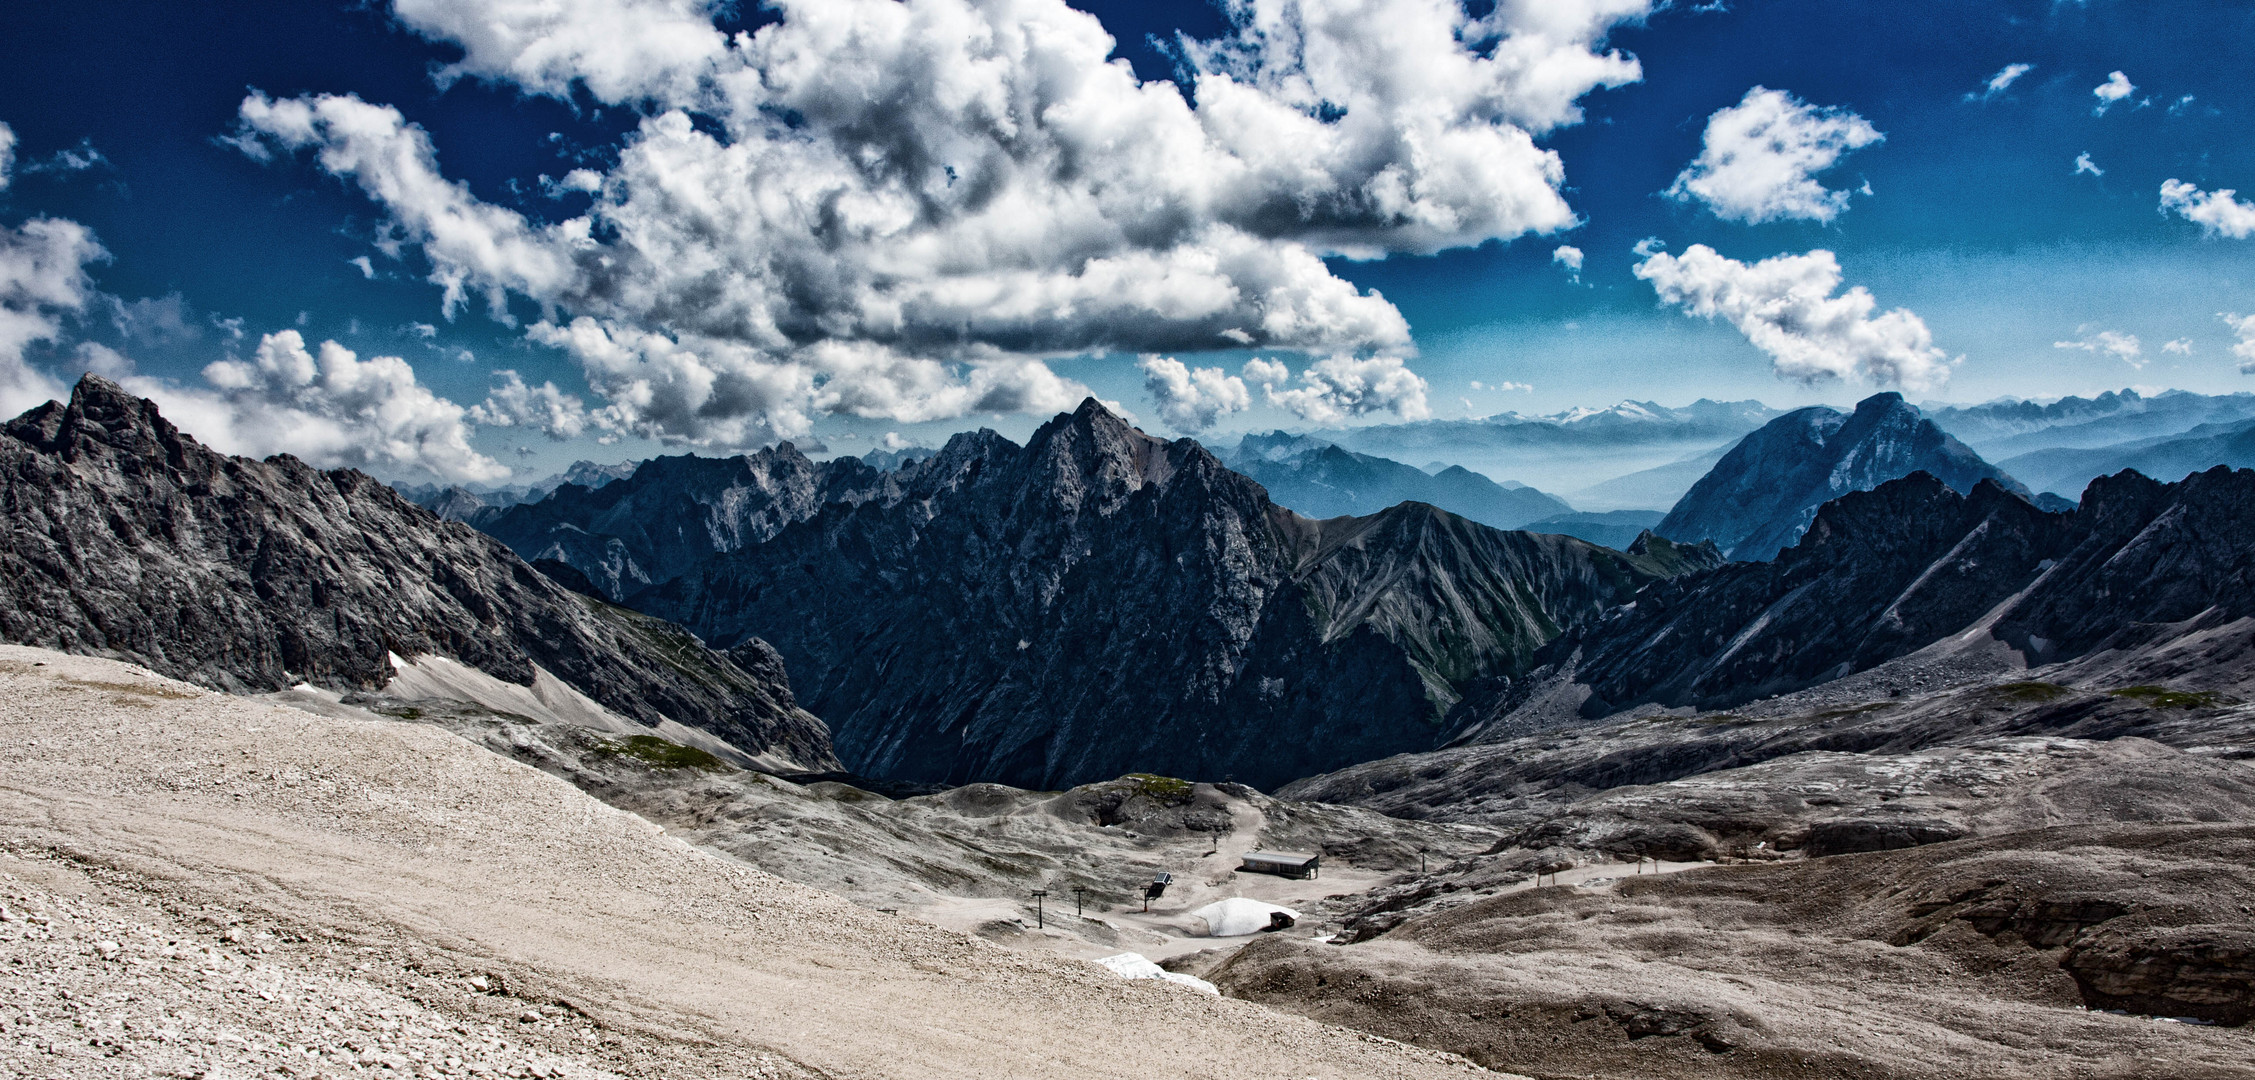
x: 1166, y: 789
x: 2033, y: 691
x: 2161, y: 697
x: 660, y: 753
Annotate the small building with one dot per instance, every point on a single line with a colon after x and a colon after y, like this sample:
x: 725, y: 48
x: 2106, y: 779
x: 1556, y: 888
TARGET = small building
x: 1291, y: 864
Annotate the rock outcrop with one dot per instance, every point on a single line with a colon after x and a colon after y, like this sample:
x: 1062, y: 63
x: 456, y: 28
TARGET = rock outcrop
x: 1100, y: 601
x: 1764, y: 493
x: 122, y: 536
x: 676, y: 511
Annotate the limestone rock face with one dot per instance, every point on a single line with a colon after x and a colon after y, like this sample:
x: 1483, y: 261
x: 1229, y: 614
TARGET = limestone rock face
x: 1763, y: 494
x: 122, y: 536
x: 1100, y: 601
x: 673, y: 512
x: 1879, y: 574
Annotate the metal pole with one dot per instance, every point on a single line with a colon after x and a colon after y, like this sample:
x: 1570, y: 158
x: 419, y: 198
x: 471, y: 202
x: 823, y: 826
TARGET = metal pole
x: 1038, y: 894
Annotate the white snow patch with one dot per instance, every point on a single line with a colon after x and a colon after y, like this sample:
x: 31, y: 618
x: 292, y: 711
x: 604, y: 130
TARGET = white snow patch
x: 1238, y: 916
x: 1129, y: 965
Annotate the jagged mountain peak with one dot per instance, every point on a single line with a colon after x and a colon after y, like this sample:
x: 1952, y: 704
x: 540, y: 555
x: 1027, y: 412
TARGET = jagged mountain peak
x: 1767, y: 490
x: 122, y: 535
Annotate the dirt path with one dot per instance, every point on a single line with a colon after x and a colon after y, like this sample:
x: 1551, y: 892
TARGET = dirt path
x: 396, y: 859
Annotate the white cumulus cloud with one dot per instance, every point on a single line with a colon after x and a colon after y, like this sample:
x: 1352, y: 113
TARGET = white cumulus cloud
x: 1570, y: 257
x: 1192, y: 399
x: 1337, y: 389
x: 2244, y: 348
x: 2000, y: 82
x: 2123, y: 347
x: 2084, y: 164
x: 7, y: 154
x: 2116, y: 87
x: 1761, y: 159
x: 2179, y: 346
x: 42, y: 281
x: 1785, y: 305
x: 901, y: 208
x: 2216, y: 212
x: 336, y: 410
x: 543, y: 408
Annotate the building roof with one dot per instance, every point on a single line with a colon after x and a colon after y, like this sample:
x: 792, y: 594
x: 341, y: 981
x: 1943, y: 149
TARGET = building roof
x: 1293, y: 858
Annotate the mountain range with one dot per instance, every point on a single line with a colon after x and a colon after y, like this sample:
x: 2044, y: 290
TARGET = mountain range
x: 455, y: 502
x: 1572, y: 450
x: 2006, y: 429
x: 121, y: 536
x: 1322, y: 480
x: 1099, y: 600
x: 1764, y: 493
x: 2163, y: 457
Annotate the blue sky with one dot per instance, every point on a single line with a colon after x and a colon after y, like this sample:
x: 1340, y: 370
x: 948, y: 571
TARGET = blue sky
x: 1960, y: 205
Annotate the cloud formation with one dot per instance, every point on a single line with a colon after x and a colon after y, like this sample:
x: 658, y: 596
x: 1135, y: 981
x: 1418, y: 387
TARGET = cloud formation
x: 1785, y: 306
x: 7, y: 154
x: 2123, y: 347
x: 2116, y: 87
x: 1570, y: 257
x: 2084, y: 164
x: 2179, y: 346
x: 333, y: 411
x: 899, y: 208
x: 1337, y: 389
x: 2244, y: 348
x: 543, y: 408
x: 2216, y: 212
x: 1192, y: 400
x: 2000, y: 82
x: 1761, y: 159
x: 43, y: 280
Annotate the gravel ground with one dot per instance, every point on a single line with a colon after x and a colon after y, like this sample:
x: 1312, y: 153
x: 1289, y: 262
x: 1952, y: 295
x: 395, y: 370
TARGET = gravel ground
x: 233, y: 889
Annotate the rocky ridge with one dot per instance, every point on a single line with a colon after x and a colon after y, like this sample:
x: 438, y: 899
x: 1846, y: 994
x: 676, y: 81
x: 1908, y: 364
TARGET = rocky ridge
x: 122, y: 536
x: 674, y: 512
x: 1764, y: 493
x: 1099, y: 601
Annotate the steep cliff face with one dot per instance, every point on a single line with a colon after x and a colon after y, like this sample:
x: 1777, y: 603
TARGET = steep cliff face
x: 1099, y: 601
x: 1878, y: 575
x: 1764, y: 493
x: 122, y: 536
x: 676, y: 511
x: 2142, y: 582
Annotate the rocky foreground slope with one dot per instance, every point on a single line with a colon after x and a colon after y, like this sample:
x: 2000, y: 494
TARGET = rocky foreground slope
x: 122, y: 536
x: 1100, y: 601
x: 227, y: 888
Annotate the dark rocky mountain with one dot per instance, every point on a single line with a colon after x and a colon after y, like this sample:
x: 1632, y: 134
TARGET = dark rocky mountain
x: 122, y: 536
x: 1880, y: 573
x: 895, y: 460
x: 1320, y: 480
x: 1100, y: 601
x: 2004, y: 429
x: 2143, y: 581
x: 2165, y: 457
x: 1613, y: 529
x: 1764, y: 493
x: 677, y: 511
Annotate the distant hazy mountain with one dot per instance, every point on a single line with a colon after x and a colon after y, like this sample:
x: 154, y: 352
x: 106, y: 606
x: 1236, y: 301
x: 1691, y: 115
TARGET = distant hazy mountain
x: 1763, y: 494
x: 1568, y: 450
x: 1321, y: 480
x: 2166, y: 458
x: 1654, y: 488
x: 1615, y: 529
x: 479, y: 504
x: 1098, y: 601
x: 2006, y: 429
x: 892, y: 460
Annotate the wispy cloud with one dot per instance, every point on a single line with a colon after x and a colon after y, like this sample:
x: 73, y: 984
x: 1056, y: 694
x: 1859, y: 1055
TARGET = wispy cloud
x: 1999, y: 82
